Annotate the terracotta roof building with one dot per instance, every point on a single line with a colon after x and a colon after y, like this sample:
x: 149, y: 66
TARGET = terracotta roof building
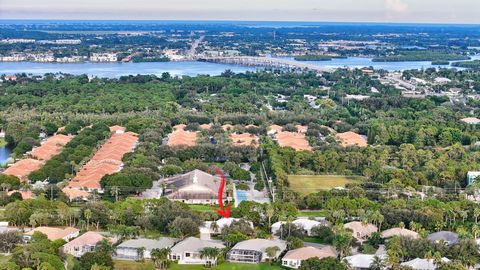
x: 244, y: 139
x: 273, y: 129
x: 50, y: 147
x: 294, y: 140
x: 301, y: 129
x: 471, y: 120
x: 54, y: 233
x: 25, y: 194
x: 23, y: 168
x: 361, y: 231
x: 350, y: 138
x: 205, y: 126
x: 107, y: 160
x: 82, y: 244
x: 181, y: 137
x: 294, y: 258
x: 399, y: 232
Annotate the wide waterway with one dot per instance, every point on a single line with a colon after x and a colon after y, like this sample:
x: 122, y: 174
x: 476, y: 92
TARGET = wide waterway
x: 190, y: 68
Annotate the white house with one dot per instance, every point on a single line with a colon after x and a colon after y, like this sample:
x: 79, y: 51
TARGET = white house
x: 304, y: 223
x: 423, y: 264
x: 362, y: 261
x: 255, y: 250
x: 188, y: 251
x: 137, y: 249
x: 472, y: 176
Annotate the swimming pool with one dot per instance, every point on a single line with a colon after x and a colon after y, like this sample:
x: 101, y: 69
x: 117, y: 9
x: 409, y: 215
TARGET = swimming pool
x: 241, y: 196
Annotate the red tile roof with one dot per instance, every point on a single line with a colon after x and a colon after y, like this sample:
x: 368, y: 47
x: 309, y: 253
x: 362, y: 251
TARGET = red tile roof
x: 25, y: 194
x: 244, y: 139
x: 292, y: 139
x: 51, y: 147
x: 23, y: 168
x: 350, y: 138
x: 107, y: 160
x: 181, y: 137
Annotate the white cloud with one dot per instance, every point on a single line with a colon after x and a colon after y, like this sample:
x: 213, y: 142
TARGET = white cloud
x: 396, y: 6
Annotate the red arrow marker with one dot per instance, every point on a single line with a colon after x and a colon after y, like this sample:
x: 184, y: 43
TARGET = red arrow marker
x: 224, y: 212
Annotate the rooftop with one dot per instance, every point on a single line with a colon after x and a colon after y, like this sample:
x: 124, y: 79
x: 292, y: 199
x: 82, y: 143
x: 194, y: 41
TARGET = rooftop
x: 260, y: 244
x: 148, y: 244
x: 350, y: 138
x: 305, y: 253
x: 51, y: 147
x: 54, y: 233
x: 244, y: 139
x: 181, y: 137
x: 294, y: 140
x: 24, y: 167
x: 88, y: 238
x: 193, y: 244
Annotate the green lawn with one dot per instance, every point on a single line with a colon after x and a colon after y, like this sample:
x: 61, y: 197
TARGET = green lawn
x: 4, y: 259
x: 313, y: 213
x: 147, y: 265
x: 133, y: 265
x: 228, y: 266
x: 202, y: 207
x: 306, y: 184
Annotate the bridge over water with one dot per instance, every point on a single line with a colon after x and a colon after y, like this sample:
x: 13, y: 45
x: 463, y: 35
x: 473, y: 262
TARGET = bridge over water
x: 277, y: 63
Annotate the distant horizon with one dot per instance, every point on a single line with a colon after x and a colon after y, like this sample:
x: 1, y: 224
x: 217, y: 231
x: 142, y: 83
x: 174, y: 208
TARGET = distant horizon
x: 381, y: 11
x: 240, y: 21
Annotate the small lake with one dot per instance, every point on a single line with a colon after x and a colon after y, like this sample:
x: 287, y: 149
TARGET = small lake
x: 189, y: 68
x: 4, y: 154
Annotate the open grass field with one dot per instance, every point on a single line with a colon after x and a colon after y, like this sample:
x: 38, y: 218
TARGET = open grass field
x: 202, y: 208
x: 306, y: 184
x: 147, y: 265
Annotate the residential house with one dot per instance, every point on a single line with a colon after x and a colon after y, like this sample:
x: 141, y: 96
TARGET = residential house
x: 446, y: 237
x: 255, y: 250
x: 361, y: 231
x: 350, y: 138
x: 54, y: 233
x: 423, y: 264
x: 83, y: 244
x: 362, y: 261
x: 141, y: 248
x: 195, y: 187
x: 400, y: 232
x: 294, y: 258
x: 305, y: 223
x: 188, y: 251
x: 471, y: 120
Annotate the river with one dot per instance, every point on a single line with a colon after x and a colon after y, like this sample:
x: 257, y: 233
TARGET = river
x: 190, y: 68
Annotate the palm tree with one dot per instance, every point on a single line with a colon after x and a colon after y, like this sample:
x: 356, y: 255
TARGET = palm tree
x: 210, y: 254
x: 289, y: 222
x: 269, y: 211
x: 476, y: 214
x: 377, y: 264
x: 140, y: 253
x: 475, y: 230
x: 160, y: 257
x: 214, y: 227
x: 88, y: 215
x: 272, y: 252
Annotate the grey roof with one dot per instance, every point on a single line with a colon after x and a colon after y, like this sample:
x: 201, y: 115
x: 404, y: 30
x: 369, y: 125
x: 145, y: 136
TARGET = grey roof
x: 260, y: 244
x: 149, y: 244
x: 446, y: 236
x: 195, y: 177
x: 193, y: 244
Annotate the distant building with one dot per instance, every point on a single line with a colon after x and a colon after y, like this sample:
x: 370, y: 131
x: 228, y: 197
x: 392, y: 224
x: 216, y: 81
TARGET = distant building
x: 362, y: 261
x: 350, y: 138
x: 254, y: 250
x: 472, y: 176
x: 471, y: 120
x: 400, y: 232
x: 104, y: 57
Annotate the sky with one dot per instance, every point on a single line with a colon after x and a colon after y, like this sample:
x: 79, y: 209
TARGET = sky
x: 430, y: 11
